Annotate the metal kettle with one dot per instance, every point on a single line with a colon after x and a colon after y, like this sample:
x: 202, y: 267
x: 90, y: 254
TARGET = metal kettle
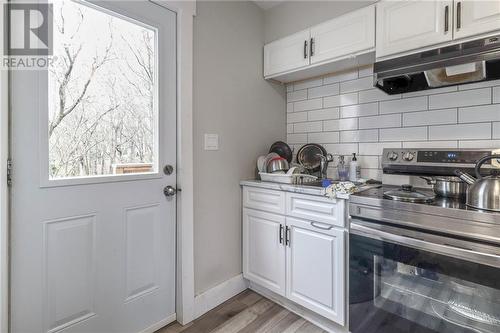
x: 483, y: 192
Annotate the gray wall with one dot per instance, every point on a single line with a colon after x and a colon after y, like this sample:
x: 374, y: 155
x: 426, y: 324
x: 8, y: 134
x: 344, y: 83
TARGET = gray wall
x: 293, y: 16
x: 231, y: 98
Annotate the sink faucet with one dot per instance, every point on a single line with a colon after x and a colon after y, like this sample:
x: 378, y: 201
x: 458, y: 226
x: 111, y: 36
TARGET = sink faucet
x: 325, y: 160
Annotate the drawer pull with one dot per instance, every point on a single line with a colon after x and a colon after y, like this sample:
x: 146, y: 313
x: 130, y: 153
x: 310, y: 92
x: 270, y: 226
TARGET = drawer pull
x: 321, y: 225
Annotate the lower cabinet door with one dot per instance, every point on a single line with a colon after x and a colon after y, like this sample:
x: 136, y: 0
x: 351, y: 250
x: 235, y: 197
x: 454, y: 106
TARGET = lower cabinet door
x: 264, y: 250
x: 315, y: 268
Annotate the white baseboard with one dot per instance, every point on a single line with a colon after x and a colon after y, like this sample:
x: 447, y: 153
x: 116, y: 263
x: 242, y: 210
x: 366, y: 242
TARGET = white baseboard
x: 308, y: 315
x: 219, y: 294
x: 162, y: 323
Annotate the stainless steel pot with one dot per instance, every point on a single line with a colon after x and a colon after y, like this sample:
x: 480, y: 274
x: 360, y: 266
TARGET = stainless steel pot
x: 277, y: 165
x: 448, y: 187
x: 483, y: 192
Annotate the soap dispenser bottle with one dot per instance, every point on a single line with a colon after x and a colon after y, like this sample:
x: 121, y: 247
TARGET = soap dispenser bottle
x: 342, y: 169
x: 354, y: 169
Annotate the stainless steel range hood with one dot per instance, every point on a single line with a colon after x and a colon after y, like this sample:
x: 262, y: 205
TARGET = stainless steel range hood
x: 473, y: 61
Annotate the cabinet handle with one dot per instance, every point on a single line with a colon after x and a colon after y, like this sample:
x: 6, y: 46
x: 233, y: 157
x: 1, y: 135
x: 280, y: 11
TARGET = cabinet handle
x: 287, y: 236
x: 305, y: 49
x: 446, y: 18
x: 281, y: 234
x: 459, y: 15
x: 321, y: 225
x: 311, y: 47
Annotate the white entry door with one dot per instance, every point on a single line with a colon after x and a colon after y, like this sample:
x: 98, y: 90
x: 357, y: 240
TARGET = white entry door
x: 93, y: 235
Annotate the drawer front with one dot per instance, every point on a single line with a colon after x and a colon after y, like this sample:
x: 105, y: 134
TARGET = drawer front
x: 263, y: 199
x: 313, y: 208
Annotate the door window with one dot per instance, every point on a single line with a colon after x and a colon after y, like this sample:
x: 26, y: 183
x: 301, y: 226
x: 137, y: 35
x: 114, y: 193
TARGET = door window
x: 103, y: 100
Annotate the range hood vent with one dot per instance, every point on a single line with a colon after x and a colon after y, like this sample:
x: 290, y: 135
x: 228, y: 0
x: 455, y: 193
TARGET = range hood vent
x: 469, y: 62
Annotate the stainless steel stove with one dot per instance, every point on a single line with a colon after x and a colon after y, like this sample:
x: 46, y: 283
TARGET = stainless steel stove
x: 428, y: 266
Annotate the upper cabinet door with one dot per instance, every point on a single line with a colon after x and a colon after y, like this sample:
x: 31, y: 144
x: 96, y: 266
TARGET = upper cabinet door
x: 287, y: 54
x: 473, y: 17
x: 408, y: 25
x: 342, y: 36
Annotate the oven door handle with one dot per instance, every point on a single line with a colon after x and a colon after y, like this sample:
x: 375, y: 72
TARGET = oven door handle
x: 474, y: 252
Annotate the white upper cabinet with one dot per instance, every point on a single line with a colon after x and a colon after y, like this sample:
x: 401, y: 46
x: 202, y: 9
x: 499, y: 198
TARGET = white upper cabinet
x: 343, y: 42
x: 345, y: 35
x: 287, y: 54
x: 473, y: 17
x: 408, y: 25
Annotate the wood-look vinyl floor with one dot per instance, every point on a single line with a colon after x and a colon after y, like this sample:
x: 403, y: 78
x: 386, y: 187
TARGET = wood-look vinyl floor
x: 247, y: 312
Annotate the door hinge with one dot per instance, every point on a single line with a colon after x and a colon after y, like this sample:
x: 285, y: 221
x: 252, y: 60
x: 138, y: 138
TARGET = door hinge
x: 9, y: 172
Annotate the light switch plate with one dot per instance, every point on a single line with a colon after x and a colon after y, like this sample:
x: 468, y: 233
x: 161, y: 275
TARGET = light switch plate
x: 211, y: 141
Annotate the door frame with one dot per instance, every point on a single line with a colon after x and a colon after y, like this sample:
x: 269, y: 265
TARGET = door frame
x: 185, y: 10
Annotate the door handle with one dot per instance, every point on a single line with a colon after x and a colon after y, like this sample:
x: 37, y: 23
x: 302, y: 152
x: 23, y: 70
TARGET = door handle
x: 281, y: 234
x: 170, y: 191
x: 305, y: 49
x: 446, y: 18
x: 287, y: 236
x: 459, y: 15
x: 311, y: 47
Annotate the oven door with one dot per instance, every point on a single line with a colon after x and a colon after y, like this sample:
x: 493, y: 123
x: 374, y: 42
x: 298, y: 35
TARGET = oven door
x: 403, y: 280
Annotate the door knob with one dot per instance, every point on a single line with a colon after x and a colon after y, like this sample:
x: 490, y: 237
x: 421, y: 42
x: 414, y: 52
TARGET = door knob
x: 169, y: 191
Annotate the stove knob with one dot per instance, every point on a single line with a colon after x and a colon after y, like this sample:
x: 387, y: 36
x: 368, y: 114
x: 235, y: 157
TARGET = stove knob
x: 392, y: 156
x: 408, y: 156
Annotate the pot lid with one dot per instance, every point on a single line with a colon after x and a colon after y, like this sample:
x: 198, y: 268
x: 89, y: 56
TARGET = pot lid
x: 409, y: 194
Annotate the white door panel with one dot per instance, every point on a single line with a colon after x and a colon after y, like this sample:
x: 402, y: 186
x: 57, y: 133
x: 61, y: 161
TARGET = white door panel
x: 474, y: 17
x: 343, y: 36
x: 287, y: 54
x: 263, y: 249
x: 407, y: 25
x: 93, y: 250
x: 315, y: 268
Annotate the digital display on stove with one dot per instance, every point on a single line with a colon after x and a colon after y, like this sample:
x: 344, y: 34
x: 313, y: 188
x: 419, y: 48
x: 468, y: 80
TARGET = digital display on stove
x: 440, y: 156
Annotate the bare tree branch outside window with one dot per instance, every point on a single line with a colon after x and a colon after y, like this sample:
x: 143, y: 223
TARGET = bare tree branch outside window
x: 102, y: 93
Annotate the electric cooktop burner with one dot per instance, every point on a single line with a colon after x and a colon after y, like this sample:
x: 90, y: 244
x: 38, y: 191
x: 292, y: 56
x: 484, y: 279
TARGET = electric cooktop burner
x: 408, y: 194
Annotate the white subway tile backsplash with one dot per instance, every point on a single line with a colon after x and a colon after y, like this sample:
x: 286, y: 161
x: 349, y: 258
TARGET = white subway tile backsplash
x: 375, y: 149
x: 328, y: 90
x: 430, y: 144
x: 342, y: 148
x: 460, y: 98
x: 341, y: 124
x: 359, y: 110
x: 296, y: 117
x: 311, y: 126
x: 296, y: 96
x: 359, y: 136
x: 403, y: 134
x: 404, y: 105
x: 323, y: 114
x: 496, y: 95
x: 460, y: 132
x: 310, y: 104
x: 350, y: 74
x: 493, y: 144
x: 296, y: 139
x: 375, y: 95
x: 390, y: 120
x: 436, y: 117
x: 345, y: 114
x: 340, y: 100
x: 323, y: 137
x: 307, y: 84
x: 356, y: 85
x: 430, y: 92
x: 479, y: 114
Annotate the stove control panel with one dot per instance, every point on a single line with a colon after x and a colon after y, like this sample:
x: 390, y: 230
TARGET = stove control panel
x: 444, y: 161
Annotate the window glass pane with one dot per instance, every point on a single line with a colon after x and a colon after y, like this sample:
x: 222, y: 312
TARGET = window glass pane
x: 102, y: 94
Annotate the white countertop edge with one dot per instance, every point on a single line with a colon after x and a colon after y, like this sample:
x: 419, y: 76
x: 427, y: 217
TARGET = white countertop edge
x: 303, y: 189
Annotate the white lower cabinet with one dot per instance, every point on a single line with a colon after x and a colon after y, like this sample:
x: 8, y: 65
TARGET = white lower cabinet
x: 298, y: 256
x: 263, y: 249
x: 315, y: 267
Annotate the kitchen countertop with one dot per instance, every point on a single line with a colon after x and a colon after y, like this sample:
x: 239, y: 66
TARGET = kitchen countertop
x: 303, y: 189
